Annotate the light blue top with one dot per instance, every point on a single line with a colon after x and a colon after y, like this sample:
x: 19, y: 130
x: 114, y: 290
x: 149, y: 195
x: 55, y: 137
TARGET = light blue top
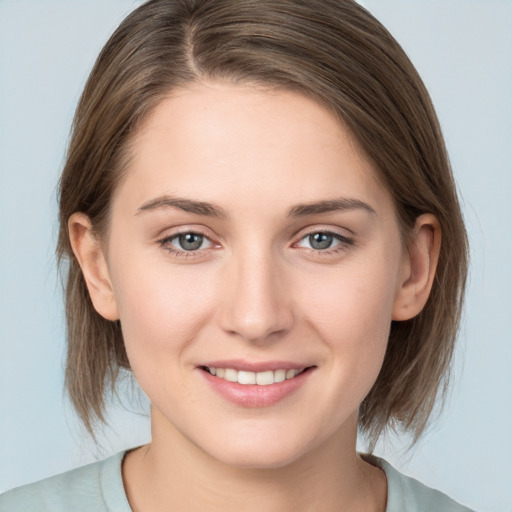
x: 98, y: 487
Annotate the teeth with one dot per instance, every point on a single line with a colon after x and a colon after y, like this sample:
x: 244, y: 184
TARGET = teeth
x: 291, y: 373
x: 231, y: 375
x: 265, y: 378
x: 246, y: 377
x: 279, y: 375
x: 261, y: 378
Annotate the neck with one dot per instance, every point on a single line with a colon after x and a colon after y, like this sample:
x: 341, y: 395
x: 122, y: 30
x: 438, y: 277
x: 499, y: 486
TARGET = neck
x: 171, y: 473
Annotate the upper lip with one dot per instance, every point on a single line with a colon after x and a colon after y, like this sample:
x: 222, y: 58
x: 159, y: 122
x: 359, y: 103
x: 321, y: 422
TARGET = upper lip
x: 253, y: 366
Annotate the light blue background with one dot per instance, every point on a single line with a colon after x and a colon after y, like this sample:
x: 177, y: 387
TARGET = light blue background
x: 462, y: 48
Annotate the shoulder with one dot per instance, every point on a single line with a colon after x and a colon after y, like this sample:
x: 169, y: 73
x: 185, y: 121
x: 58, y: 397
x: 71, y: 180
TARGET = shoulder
x: 95, y: 487
x: 406, y: 493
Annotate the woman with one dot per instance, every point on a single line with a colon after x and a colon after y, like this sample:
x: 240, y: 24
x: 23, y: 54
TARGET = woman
x: 261, y: 224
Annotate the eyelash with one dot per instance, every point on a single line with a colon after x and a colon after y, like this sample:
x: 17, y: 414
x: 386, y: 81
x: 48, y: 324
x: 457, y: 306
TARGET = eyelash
x: 166, y: 244
x: 343, y: 245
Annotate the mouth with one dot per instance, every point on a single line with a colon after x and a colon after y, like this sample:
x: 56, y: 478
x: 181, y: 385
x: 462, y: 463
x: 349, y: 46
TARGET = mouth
x: 262, y: 378
x: 255, y: 384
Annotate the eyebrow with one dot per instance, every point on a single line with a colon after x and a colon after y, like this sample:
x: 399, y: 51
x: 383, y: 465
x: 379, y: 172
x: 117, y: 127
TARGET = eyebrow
x: 187, y: 205
x: 329, y: 206
x: 212, y: 210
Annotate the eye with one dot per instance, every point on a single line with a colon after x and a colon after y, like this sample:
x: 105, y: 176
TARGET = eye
x: 191, y: 241
x: 324, y: 241
x: 186, y: 242
x: 320, y: 241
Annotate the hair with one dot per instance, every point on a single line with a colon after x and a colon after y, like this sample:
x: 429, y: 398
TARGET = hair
x: 333, y: 51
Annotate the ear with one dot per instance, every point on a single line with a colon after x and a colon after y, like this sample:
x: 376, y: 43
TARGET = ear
x: 420, y: 263
x: 91, y: 258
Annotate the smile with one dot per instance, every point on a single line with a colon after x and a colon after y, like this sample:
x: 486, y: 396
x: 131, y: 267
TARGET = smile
x: 265, y: 378
x: 254, y: 385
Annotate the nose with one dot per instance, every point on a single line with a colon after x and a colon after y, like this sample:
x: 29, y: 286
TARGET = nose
x: 255, y: 303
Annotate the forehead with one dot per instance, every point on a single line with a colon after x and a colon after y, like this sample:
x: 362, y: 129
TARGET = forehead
x: 245, y: 141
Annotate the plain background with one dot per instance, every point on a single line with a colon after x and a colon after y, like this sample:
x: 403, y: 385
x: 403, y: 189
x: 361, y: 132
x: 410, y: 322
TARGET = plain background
x: 463, y: 50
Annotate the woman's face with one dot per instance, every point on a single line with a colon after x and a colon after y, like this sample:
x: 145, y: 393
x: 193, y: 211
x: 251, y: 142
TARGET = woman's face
x: 251, y: 240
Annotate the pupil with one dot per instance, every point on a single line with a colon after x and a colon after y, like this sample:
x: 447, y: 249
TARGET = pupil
x: 191, y: 241
x: 320, y: 240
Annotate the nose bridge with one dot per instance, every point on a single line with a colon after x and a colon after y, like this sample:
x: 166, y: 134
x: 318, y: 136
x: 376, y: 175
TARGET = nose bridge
x: 255, y: 304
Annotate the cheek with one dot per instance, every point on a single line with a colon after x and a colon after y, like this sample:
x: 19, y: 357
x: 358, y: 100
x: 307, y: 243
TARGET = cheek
x: 161, y: 308
x: 352, y: 314
x: 357, y: 332
x: 353, y: 304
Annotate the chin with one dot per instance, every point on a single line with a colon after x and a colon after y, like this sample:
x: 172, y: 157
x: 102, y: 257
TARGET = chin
x: 273, y: 451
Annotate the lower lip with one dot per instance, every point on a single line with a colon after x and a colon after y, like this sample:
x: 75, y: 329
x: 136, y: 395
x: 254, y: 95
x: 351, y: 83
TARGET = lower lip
x: 253, y: 395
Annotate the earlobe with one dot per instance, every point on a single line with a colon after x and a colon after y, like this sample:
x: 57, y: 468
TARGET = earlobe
x: 90, y: 256
x: 419, y: 268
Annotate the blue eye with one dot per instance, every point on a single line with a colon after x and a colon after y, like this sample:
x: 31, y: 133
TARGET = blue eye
x: 324, y: 240
x: 320, y: 241
x: 190, y: 241
x: 186, y: 242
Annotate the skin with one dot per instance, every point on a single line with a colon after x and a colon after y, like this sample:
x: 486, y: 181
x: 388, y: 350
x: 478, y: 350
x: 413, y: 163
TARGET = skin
x: 256, y: 290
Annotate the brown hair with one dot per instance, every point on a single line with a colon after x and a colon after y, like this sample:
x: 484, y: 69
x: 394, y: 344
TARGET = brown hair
x: 331, y: 50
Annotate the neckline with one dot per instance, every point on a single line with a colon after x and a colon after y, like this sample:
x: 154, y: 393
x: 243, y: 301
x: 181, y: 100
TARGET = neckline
x: 116, y: 500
